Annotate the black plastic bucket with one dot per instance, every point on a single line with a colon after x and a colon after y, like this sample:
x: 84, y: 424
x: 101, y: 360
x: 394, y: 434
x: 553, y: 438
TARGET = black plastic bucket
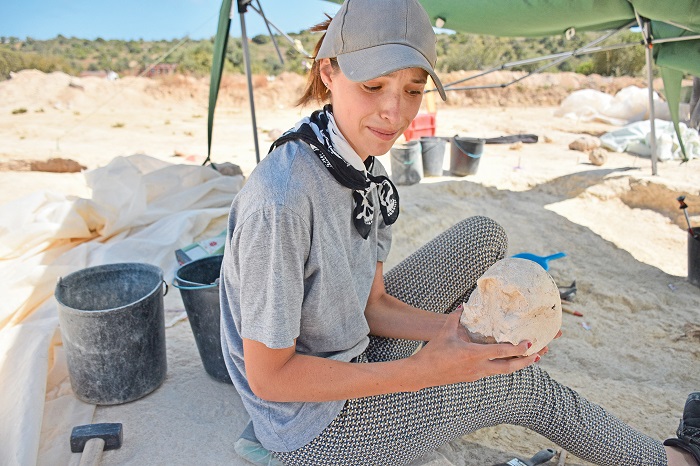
x: 113, y: 330
x: 198, y: 282
x: 465, y: 154
x: 433, y: 151
x: 406, y: 163
x: 694, y: 258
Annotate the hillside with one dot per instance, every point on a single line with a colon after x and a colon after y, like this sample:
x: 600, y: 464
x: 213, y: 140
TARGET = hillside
x: 456, y: 52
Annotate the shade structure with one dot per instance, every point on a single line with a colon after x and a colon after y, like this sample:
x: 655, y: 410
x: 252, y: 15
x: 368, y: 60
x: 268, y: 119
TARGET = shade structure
x: 672, y: 29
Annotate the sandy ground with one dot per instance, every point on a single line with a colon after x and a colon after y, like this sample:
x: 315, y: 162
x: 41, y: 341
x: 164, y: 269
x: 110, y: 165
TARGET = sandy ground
x: 636, y: 350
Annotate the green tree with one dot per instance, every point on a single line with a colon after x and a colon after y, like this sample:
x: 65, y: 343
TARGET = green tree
x: 261, y: 39
x: 585, y: 68
x: 627, y: 61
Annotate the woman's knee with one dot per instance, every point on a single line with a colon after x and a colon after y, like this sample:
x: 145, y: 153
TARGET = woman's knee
x: 482, y: 227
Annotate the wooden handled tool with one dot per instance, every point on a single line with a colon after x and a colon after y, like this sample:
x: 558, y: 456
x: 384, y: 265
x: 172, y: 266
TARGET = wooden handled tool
x: 93, y: 439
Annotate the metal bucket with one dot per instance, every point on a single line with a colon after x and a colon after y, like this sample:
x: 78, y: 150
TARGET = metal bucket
x: 465, y: 154
x: 199, y: 288
x: 406, y: 163
x: 433, y: 150
x: 113, y: 330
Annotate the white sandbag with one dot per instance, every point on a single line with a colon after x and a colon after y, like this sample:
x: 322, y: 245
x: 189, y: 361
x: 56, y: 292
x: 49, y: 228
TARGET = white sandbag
x: 627, y: 106
x: 583, y: 105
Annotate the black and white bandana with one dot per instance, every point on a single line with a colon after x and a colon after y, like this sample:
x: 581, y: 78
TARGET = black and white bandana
x: 316, y: 131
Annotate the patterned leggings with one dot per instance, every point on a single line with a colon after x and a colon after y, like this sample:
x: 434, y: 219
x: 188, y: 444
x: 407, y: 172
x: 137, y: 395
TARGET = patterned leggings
x: 397, y: 428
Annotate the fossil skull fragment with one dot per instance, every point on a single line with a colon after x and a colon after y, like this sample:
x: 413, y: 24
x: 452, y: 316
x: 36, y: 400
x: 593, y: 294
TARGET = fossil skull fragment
x: 515, y: 300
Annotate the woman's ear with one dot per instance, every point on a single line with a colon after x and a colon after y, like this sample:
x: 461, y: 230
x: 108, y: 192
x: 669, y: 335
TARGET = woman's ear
x: 325, y: 69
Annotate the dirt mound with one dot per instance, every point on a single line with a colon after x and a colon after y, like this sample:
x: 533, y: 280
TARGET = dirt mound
x: 37, y: 91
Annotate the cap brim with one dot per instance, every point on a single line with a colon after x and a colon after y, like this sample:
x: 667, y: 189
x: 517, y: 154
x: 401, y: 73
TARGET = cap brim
x: 370, y: 63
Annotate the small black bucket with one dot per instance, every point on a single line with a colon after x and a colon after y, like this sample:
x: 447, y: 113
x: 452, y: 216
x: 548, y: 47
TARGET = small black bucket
x: 465, y: 154
x: 433, y: 150
x: 406, y: 163
x: 113, y: 330
x: 198, y: 282
x: 694, y: 258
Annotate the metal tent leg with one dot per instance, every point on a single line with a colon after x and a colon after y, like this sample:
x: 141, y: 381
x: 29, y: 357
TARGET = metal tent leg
x: 242, y: 6
x: 650, y: 77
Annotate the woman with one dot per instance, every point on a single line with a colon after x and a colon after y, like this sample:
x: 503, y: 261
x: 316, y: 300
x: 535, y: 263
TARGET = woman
x: 323, y: 349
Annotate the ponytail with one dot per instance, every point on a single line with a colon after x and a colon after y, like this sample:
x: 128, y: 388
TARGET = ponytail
x: 316, y: 91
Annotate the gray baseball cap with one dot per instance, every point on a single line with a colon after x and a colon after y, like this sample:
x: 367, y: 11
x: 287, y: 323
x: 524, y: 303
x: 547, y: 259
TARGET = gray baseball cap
x: 372, y: 38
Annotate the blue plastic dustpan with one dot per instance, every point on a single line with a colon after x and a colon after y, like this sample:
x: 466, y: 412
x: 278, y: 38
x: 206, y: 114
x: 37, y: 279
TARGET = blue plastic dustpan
x: 542, y: 260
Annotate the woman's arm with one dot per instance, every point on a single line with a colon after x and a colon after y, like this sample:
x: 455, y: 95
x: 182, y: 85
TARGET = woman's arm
x: 390, y: 317
x: 284, y: 375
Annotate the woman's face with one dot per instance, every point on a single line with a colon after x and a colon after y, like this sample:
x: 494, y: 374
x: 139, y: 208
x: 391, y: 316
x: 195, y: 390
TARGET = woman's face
x: 373, y: 114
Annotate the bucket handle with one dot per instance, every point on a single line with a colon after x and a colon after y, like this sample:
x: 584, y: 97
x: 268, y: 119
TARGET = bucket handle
x: 456, y: 142
x: 198, y: 287
x: 165, y: 291
x: 404, y: 162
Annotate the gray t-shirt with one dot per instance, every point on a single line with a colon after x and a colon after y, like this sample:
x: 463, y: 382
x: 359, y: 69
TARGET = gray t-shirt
x: 295, y: 267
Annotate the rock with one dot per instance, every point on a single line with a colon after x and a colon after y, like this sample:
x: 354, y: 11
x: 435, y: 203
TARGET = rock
x: 547, y: 139
x: 515, y: 300
x: 585, y: 143
x: 55, y: 165
x: 598, y: 156
x: 274, y: 134
x: 516, y: 146
x: 228, y: 169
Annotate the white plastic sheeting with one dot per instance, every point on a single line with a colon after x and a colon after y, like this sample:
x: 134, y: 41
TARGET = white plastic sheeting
x: 636, y: 138
x: 142, y: 210
x: 627, y: 106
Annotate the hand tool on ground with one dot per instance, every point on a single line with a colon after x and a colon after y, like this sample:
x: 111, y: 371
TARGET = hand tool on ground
x: 540, y: 457
x: 568, y: 310
x: 567, y: 292
x: 93, y: 439
x: 684, y: 207
x: 565, y: 308
x: 542, y: 260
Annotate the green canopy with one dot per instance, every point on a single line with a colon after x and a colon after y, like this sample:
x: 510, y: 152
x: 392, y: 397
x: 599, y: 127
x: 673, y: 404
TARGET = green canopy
x: 672, y: 29
x: 531, y: 18
x: 535, y: 18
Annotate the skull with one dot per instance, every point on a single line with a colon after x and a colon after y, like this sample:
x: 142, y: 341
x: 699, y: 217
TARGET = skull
x: 515, y: 300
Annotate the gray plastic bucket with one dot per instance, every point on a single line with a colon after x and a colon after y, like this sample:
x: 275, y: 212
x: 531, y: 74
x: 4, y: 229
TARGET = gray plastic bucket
x: 694, y: 257
x: 433, y: 152
x: 406, y: 163
x: 465, y: 154
x: 199, y: 287
x: 113, y: 330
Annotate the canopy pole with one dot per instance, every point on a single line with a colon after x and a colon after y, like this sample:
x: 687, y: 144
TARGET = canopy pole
x: 242, y: 8
x: 650, y: 77
x: 269, y: 31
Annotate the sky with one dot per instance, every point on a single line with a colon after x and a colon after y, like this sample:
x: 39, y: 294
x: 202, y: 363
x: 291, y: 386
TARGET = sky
x: 150, y: 19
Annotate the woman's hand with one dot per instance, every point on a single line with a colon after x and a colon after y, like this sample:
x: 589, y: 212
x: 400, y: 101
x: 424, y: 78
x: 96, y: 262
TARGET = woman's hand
x: 450, y: 357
